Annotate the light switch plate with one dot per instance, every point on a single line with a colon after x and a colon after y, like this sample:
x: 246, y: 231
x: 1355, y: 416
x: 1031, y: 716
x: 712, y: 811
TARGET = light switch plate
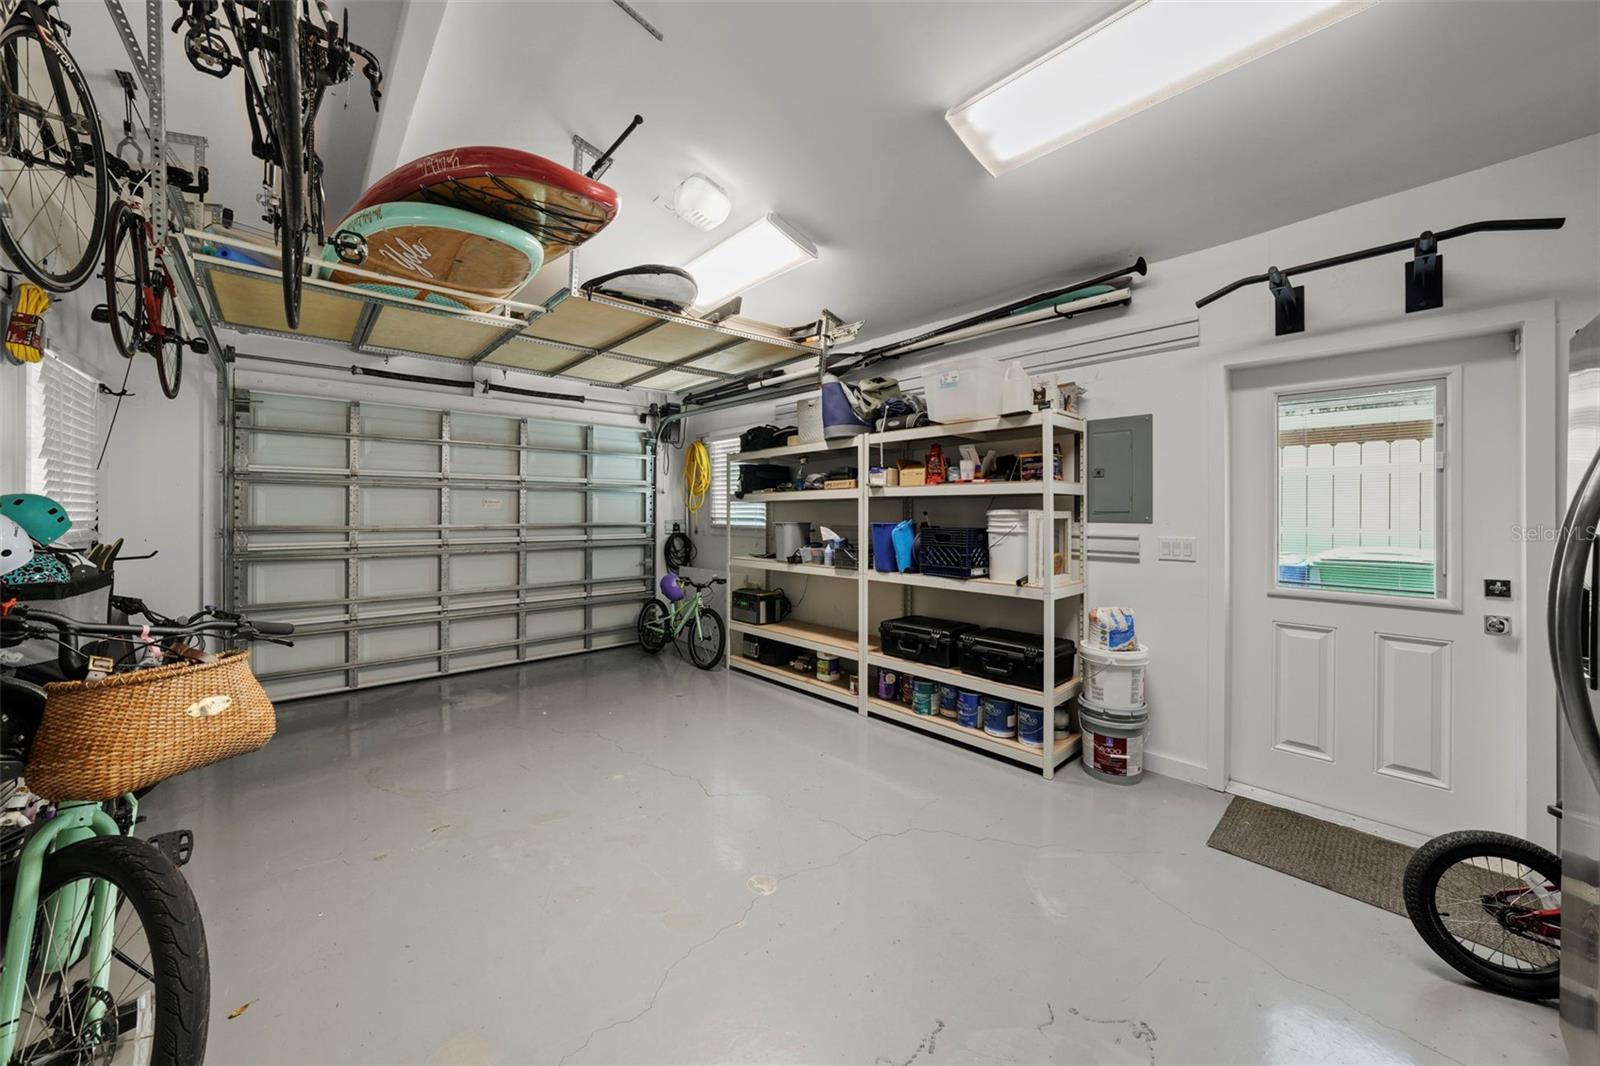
x: 1176, y: 549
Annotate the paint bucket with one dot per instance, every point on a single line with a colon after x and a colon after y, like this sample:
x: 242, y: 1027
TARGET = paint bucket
x: 1008, y: 546
x: 969, y: 709
x: 949, y: 695
x: 1063, y: 719
x: 1114, y: 680
x: 1113, y: 748
x: 999, y: 717
x: 923, y: 694
x: 888, y: 685
x: 906, y: 681
x: 827, y: 666
x: 1111, y: 628
x: 1030, y: 725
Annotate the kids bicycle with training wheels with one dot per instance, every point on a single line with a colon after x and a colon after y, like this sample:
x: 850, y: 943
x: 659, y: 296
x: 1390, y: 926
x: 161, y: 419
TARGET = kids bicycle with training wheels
x: 687, y: 615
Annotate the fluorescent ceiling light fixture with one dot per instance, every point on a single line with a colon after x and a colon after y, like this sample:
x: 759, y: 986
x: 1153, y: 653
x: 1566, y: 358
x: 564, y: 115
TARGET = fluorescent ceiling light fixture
x: 759, y: 252
x: 1147, y: 52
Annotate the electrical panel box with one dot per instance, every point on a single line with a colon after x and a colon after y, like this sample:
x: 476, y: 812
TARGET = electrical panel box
x: 1120, y: 483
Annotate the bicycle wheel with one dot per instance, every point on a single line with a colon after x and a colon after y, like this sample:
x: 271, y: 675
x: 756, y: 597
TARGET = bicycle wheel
x: 653, y: 619
x: 52, y: 162
x: 126, y: 277
x: 283, y: 24
x: 1489, y: 905
x: 168, y: 348
x: 706, y: 639
x: 153, y: 1005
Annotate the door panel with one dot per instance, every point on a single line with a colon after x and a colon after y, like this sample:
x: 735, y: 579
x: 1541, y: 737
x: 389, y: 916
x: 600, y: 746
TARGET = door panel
x: 1401, y: 711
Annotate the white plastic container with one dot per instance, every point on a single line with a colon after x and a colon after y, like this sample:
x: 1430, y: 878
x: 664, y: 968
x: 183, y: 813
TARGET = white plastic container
x: 1016, y: 391
x: 1114, y: 680
x: 964, y: 388
x: 1008, y: 546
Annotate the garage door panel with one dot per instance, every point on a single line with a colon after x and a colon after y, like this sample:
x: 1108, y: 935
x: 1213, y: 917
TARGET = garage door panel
x: 488, y: 532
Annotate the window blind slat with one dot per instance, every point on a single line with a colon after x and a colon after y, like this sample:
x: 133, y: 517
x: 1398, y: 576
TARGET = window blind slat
x: 63, y: 441
x: 725, y: 509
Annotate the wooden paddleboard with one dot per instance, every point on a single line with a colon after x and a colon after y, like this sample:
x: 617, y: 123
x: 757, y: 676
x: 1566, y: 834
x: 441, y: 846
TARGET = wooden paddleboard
x: 554, y: 203
x: 424, y: 247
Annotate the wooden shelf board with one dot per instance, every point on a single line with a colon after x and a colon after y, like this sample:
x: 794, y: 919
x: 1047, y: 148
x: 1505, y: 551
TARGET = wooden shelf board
x: 751, y: 562
x: 977, y: 488
x: 808, y: 634
x: 1066, y: 744
x: 982, y: 586
x: 805, y: 448
x: 1032, y: 697
x: 783, y: 675
x: 791, y: 496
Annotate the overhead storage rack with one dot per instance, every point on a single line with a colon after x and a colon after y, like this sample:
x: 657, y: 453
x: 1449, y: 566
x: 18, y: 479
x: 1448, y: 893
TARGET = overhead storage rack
x: 577, y: 335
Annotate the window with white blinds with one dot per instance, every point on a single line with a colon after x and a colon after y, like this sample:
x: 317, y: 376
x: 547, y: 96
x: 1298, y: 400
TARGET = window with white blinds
x: 64, y: 443
x: 725, y: 510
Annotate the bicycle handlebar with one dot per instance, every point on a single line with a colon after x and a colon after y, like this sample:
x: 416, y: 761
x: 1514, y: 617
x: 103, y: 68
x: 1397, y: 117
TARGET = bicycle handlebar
x: 210, y: 621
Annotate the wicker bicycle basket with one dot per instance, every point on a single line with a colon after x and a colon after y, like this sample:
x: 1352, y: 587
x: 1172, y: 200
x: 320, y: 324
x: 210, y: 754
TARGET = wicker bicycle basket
x: 100, y: 739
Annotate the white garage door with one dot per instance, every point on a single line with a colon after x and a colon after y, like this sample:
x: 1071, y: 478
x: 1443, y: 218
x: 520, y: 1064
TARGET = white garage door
x: 406, y: 542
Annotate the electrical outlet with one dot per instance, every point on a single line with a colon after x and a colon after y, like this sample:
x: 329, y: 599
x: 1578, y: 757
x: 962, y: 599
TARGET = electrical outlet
x: 1176, y: 549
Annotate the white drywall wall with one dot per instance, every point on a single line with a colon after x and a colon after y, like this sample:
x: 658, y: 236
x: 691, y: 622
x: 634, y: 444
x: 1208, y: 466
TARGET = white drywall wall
x: 1172, y: 599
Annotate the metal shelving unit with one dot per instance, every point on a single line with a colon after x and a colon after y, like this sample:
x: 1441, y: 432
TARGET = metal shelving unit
x: 1060, y: 599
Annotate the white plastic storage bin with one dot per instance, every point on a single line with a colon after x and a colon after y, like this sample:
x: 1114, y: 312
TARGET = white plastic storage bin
x: 967, y: 387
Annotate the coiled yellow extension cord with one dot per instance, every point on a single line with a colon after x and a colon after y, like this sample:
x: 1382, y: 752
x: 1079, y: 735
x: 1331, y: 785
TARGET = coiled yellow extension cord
x: 25, y: 331
x: 696, y: 475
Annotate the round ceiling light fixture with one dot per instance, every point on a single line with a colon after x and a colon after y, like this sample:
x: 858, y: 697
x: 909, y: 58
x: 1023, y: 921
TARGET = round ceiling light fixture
x: 701, y: 202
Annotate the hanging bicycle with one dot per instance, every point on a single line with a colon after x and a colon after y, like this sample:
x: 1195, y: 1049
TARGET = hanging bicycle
x: 53, y: 185
x: 289, y: 59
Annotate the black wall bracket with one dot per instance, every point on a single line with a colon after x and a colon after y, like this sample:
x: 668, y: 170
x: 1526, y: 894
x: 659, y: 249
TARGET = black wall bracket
x: 1425, y: 276
x: 1289, y: 303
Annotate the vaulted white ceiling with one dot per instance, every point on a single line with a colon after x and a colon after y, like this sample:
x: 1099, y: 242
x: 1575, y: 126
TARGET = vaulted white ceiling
x: 832, y: 116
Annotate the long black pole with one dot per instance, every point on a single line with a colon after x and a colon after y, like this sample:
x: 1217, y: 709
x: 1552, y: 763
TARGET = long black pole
x: 605, y: 156
x: 1488, y: 226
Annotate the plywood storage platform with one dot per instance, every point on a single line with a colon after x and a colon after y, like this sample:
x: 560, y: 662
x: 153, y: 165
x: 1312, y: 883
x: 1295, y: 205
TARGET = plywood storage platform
x: 589, y: 338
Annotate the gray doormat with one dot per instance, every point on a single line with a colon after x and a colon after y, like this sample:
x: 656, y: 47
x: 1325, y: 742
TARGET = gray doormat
x: 1348, y: 861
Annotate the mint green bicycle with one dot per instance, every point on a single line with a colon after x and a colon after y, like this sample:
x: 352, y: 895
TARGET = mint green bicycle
x: 687, y: 616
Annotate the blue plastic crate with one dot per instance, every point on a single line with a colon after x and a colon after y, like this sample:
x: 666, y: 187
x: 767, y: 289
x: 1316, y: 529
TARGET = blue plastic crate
x: 953, y: 551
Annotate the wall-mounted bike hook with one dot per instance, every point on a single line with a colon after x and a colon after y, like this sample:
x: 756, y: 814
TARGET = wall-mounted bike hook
x: 1289, y: 302
x: 1425, y: 275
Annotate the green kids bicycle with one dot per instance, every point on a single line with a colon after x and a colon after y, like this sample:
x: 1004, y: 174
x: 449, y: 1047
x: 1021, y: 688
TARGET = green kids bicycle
x: 687, y: 616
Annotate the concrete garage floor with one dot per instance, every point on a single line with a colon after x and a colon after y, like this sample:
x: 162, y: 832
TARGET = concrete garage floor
x: 614, y: 858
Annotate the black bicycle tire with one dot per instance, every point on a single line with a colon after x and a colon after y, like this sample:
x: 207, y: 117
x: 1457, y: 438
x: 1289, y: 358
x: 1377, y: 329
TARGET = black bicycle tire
x: 166, y: 906
x: 84, y: 269
x: 721, y: 643
x: 651, y: 646
x: 289, y: 133
x: 173, y: 340
x: 1422, y: 876
x: 129, y: 338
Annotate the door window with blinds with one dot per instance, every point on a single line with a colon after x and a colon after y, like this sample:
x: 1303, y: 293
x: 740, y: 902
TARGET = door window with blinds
x: 1360, y: 490
x: 726, y: 508
x: 63, y: 443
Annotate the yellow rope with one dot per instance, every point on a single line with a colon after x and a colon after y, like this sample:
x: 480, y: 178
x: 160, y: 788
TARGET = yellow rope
x: 25, y: 331
x: 696, y: 475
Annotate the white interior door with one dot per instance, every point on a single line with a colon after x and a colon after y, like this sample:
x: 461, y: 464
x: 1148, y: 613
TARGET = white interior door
x: 1371, y: 497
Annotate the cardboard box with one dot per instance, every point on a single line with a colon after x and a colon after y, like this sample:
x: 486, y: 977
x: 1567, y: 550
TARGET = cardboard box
x: 912, y: 472
x: 882, y: 477
x: 840, y: 483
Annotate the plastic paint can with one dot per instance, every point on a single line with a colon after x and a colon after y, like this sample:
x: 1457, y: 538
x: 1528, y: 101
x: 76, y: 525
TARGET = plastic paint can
x: 827, y: 666
x: 999, y: 717
x: 1114, y: 680
x: 948, y: 696
x: 969, y: 709
x: 1113, y: 748
x: 923, y: 693
x: 905, y: 688
x: 1030, y: 725
x: 888, y: 685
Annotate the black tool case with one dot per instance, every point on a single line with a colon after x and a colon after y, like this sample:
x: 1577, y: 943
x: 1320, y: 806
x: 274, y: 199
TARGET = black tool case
x: 924, y: 640
x: 762, y: 477
x: 1013, y: 657
x: 767, y: 651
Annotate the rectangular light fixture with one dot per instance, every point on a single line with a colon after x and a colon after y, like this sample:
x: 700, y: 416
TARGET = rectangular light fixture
x: 759, y: 252
x: 1145, y: 53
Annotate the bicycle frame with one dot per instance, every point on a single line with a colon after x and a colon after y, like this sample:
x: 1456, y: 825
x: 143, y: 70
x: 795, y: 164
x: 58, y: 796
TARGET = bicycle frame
x: 679, y: 615
x: 74, y: 821
x: 56, y: 57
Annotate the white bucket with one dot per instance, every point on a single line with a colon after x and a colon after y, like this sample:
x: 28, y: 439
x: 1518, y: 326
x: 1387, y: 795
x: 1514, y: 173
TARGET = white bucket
x: 1114, y: 680
x: 1008, y: 546
x: 1113, y: 747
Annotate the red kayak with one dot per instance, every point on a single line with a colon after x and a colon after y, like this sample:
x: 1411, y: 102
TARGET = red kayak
x: 556, y: 204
